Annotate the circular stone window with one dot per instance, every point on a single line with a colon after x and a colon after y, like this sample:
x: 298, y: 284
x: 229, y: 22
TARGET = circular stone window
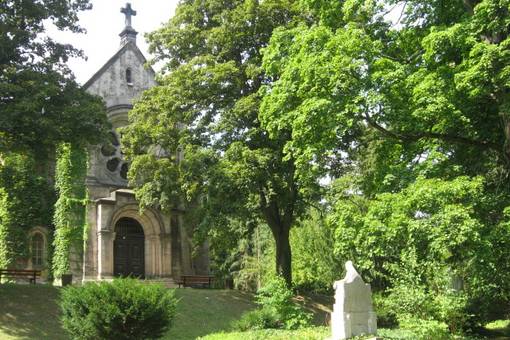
x: 113, y: 154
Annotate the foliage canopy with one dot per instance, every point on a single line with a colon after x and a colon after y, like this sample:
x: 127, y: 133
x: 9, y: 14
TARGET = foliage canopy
x: 204, y: 119
x: 41, y: 103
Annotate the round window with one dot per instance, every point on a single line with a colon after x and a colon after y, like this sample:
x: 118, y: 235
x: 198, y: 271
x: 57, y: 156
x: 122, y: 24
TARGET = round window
x: 113, y: 154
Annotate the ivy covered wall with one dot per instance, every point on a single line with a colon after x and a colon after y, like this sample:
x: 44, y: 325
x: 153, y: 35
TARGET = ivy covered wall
x: 70, y: 209
x: 26, y: 201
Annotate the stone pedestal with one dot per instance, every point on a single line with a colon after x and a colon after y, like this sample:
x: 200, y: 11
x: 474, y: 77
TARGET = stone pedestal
x: 353, y: 313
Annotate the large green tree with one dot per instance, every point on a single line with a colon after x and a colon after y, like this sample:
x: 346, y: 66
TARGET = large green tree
x: 41, y: 105
x: 203, y: 122
x: 427, y: 92
x: 412, y: 116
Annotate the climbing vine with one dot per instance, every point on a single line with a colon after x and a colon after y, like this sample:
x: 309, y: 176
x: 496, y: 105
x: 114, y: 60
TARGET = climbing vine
x: 70, y: 209
x: 25, y: 201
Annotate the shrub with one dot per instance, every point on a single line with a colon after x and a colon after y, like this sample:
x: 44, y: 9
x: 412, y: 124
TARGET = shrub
x: 451, y: 309
x: 437, y: 249
x: 386, y: 316
x: 278, y: 310
x: 409, y: 299
x: 261, y: 318
x: 122, y: 309
x: 425, y: 329
x: 313, y: 269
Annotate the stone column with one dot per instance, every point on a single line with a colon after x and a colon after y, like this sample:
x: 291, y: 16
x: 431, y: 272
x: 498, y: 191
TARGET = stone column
x: 105, y: 237
x: 105, y: 256
x: 90, y: 259
x: 166, y: 255
x: 175, y: 239
x: 186, y: 264
x: 148, y: 256
x: 156, y: 255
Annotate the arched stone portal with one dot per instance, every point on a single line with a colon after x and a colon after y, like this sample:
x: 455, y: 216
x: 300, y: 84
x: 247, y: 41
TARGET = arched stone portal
x: 121, y: 206
x: 128, y: 248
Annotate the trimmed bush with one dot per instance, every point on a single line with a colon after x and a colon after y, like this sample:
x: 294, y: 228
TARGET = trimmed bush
x: 122, y: 309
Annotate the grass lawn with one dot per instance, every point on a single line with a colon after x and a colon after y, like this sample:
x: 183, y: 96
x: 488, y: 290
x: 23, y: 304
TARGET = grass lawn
x: 31, y: 312
x: 498, y: 330
x: 312, y: 333
x: 204, y: 311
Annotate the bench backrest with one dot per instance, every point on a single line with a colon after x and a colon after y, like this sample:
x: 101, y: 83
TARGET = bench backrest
x: 197, y: 278
x: 20, y: 272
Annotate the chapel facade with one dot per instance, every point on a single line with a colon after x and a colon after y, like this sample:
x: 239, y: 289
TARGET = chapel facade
x: 122, y: 240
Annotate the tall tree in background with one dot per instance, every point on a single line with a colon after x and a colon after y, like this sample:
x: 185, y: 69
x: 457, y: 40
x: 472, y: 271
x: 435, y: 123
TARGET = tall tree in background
x: 426, y: 94
x: 40, y: 103
x: 412, y: 118
x: 206, y: 109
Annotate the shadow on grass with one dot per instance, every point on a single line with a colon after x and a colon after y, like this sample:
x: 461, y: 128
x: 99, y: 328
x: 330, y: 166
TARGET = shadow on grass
x: 29, y: 312
x: 32, y: 312
x: 204, y: 311
x: 498, y: 330
x: 319, y: 305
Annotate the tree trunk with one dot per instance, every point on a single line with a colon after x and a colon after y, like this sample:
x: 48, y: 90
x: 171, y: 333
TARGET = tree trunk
x: 280, y: 223
x: 283, y: 253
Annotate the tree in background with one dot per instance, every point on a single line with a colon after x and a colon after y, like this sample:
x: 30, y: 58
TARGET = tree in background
x: 410, y: 120
x: 40, y: 102
x: 203, y: 120
x: 427, y: 95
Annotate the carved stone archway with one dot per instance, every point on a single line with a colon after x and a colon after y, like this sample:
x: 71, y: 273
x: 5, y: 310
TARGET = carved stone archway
x: 157, y: 245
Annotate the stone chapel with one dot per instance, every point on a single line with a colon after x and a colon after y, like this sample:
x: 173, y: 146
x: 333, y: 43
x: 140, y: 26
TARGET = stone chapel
x: 122, y: 240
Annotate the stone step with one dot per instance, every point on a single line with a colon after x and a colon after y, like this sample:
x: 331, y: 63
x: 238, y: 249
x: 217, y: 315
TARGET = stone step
x: 166, y: 282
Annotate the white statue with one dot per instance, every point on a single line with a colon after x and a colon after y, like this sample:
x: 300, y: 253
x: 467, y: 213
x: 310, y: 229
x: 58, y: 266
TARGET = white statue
x: 353, y: 313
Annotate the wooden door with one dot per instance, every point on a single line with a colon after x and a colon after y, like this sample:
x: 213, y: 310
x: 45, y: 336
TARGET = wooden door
x: 128, y: 249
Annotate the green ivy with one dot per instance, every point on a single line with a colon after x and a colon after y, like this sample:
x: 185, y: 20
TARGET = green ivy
x: 70, y: 208
x: 25, y: 201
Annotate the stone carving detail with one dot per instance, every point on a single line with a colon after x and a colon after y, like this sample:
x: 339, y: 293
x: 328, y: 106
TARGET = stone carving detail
x: 353, y: 313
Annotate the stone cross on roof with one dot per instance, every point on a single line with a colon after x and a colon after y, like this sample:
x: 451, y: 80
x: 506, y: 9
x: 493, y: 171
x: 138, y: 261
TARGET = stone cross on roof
x: 128, y: 12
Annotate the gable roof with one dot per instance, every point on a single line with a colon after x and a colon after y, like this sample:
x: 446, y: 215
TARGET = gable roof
x: 110, y: 61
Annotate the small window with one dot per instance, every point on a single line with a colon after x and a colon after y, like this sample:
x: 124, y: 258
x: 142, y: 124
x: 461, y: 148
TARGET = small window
x: 37, y: 249
x: 129, y: 79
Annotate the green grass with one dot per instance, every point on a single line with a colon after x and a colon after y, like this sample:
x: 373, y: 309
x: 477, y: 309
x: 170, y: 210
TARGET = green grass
x: 320, y: 333
x: 31, y: 312
x: 499, y: 329
x: 312, y: 333
x: 204, y: 311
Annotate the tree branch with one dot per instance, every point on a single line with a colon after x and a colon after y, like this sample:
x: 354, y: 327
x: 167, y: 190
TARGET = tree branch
x: 434, y: 135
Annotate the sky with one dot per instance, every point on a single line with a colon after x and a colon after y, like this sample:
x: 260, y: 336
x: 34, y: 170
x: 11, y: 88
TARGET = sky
x: 104, y: 23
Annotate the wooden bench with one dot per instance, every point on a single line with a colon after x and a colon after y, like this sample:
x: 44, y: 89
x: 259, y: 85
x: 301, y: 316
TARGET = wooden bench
x: 195, y: 281
x: 30, y: 275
